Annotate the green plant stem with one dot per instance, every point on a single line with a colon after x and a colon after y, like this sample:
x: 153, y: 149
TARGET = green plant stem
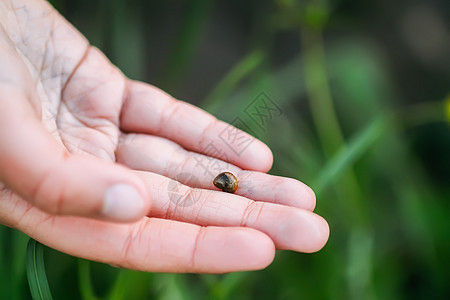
x: 84, y: 280
x: 317, y: 87
x: 120, y: 286
x: 326, y: 121
x: 5, y: 292
x: 186, y: 41
x: 425, y: 113
x: 412, y: 116
x: 18, y: 263
x: 126, y: 38
x: 330, y: 134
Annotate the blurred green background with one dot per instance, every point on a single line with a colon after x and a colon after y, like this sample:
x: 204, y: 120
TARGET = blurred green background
x: 364, y: 88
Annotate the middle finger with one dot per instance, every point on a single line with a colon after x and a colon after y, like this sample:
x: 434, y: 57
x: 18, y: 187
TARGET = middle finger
x: 159, y: 155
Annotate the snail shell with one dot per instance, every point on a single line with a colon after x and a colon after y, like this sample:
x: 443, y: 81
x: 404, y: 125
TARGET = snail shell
x: 226, y: 181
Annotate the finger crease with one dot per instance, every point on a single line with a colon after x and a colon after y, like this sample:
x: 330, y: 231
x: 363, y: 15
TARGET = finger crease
x: 248, y: 211
x: 200, y: 235
x: 75, y: 69
x: 172, y: 107
x: 200, y: 209
x: 204, y: 134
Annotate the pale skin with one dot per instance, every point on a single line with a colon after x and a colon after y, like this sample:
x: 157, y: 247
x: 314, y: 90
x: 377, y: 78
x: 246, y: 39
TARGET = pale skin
x: 72, y: 126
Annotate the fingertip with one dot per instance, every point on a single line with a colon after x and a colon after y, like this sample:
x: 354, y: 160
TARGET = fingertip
x: 320, y: 232
x: 311, y: 196
x: 239, y: 249
x: 267, y: 158
x: 259, y: 158
x: 294, y: 193
x: 260, y: 249
x: 302, y: 231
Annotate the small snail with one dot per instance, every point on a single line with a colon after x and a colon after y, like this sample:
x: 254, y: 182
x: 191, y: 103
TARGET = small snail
x: 226, y: 181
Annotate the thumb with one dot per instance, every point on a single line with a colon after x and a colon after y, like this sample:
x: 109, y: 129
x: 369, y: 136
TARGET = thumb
x: 37, y: 167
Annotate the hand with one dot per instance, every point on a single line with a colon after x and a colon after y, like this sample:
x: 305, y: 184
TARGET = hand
x: 92, y: 163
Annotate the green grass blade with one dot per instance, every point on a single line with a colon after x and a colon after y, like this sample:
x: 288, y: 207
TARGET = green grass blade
x: 5, y: 292
x: 84, y: 280
x: 242, y: 69
x: 18, y: 262
x: 121, y: 285
x: 37, y: 278
x: 348, y: 154
x: 187, y: 41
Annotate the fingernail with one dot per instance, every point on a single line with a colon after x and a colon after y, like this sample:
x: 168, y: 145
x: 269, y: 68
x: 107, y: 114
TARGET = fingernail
x: 122, y: 203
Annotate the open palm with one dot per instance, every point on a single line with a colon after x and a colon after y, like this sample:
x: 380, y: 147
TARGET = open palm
x: 105, y: 168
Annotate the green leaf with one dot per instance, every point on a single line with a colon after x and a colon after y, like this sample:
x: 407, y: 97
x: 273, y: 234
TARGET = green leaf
x: 37, y: 278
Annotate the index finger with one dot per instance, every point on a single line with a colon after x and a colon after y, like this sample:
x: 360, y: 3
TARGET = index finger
x: 147, y: 109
